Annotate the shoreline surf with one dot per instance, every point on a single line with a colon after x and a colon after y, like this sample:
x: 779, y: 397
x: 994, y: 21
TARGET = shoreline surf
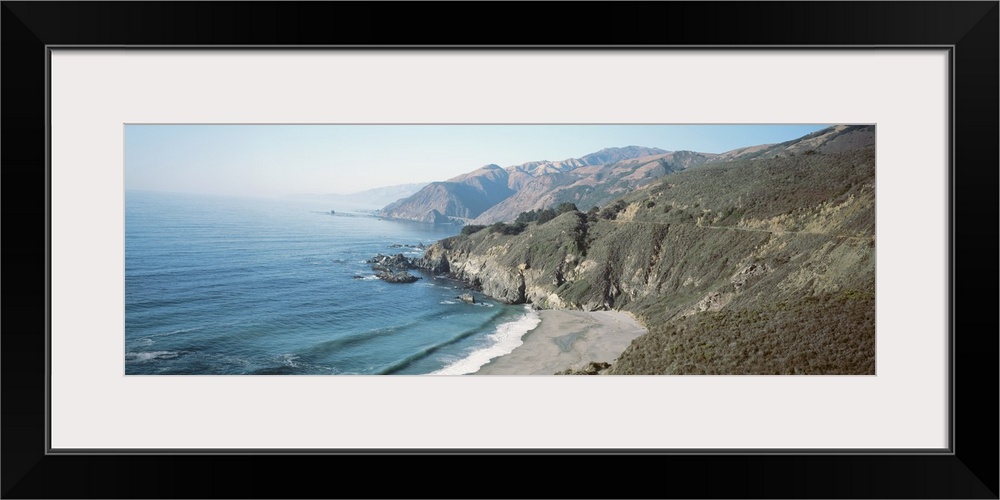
x: 506, y: 337
x: 567, y: 339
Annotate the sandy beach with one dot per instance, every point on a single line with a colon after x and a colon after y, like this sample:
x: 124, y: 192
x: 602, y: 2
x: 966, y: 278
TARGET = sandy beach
x: 567, y: 339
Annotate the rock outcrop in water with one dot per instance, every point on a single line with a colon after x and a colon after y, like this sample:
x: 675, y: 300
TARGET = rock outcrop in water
x: 397, y: 277
x: 391, y: 262
x: 393, y: 268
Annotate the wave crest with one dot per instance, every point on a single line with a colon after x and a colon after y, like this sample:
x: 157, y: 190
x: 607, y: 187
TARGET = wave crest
x: 146, y: 356
x: 503, y: 340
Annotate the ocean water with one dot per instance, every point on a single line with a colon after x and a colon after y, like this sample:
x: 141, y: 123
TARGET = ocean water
x: 217, y: 285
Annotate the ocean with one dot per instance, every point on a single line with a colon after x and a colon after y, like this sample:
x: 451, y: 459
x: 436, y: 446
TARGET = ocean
x: 230, y: 286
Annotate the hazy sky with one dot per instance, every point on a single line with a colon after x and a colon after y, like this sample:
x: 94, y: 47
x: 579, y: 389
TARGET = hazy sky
x: 274, y: 160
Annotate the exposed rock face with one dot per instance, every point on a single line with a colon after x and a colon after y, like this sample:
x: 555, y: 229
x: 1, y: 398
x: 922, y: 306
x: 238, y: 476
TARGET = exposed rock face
x: 529, y: 267
x: 436, y: 262
x: 468, y: 298
x: 481, y: 271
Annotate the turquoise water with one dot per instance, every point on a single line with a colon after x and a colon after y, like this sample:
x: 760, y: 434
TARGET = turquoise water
x: 218, y: 285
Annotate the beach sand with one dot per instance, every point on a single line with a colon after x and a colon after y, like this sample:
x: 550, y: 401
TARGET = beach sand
x: 567, y: 339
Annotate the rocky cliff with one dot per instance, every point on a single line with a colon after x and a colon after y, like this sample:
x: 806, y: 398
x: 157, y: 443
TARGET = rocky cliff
x: 759, y: 265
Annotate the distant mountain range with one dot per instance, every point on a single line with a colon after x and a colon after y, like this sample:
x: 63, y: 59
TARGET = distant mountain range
x: 370, y: 198
x: 493, y: 194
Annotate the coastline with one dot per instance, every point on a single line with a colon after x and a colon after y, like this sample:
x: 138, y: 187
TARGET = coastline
x: 567, y: 339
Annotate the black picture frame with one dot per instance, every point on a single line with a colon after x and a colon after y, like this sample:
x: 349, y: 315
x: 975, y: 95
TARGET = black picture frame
x: 969, y: 470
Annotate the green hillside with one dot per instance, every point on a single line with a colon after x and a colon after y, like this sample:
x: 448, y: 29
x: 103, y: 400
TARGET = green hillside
x: 754, y: 266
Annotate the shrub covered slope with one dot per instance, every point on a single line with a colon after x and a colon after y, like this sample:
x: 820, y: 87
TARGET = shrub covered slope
x: 763, y: 265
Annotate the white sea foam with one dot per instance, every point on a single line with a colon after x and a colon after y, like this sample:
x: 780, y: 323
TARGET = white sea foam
x: 176, y: 332
x: 503, y: 340
x: 449, y: 302
x: 142, y: 357
x: 289, y: 360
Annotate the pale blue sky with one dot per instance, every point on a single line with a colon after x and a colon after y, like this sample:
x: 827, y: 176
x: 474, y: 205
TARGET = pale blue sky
x: 276, y: 160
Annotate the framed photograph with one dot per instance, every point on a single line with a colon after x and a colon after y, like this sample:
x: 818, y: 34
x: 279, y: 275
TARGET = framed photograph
x: 892, y: 105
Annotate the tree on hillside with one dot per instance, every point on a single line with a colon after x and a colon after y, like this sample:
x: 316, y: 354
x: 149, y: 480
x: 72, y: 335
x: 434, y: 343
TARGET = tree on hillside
x: 565, y: 207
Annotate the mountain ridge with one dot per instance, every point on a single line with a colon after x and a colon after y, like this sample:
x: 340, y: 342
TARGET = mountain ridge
x: 492, y: 193
x: 451, y: 201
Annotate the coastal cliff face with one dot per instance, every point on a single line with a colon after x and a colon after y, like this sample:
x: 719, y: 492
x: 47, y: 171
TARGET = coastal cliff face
x: 759, y: 265
x: 512, y: 269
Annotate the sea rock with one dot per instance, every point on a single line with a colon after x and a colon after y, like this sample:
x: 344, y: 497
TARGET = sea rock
x: 391, y: 262
x: 397, y: 277
x: 467, y: 298
x: 592, y: 368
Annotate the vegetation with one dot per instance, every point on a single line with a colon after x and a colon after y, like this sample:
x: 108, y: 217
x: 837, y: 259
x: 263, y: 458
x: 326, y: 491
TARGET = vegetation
x: 541, y: 216
x: 470, y: 229
x: 611, y: 212
x: 828, y: 334
x: 762, y: 266
x: 508, y: 229
x: 538, y: 217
